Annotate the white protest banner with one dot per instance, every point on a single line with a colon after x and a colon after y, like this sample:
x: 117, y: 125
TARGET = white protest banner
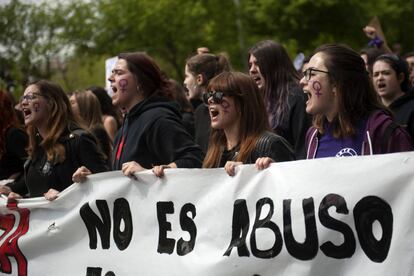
x: 333, y: 216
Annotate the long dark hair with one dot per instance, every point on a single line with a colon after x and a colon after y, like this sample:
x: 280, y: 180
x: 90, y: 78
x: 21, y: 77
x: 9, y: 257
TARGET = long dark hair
x: 356, y: 97
x: 280, y: 77
x: 149, y: 75
x: 253, y: 116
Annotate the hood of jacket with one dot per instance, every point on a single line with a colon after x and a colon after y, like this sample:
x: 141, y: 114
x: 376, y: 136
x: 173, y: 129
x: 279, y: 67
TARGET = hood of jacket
x: 407, y: 97
x: 152, y: 103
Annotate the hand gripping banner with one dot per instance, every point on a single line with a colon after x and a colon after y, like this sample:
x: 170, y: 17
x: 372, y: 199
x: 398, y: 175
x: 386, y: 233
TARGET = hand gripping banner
x: 333, y: 216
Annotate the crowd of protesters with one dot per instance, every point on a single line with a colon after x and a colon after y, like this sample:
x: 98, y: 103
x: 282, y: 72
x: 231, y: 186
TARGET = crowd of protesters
x: 340, y: 103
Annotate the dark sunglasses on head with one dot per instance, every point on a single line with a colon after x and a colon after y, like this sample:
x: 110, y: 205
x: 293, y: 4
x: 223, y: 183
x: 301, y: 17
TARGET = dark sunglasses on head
x: 217, y: 97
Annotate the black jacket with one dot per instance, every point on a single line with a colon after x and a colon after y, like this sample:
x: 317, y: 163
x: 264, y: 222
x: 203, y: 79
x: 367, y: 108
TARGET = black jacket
x: 202, y: 125
x: 268, y: 145
x: 14, y: 156
x: 294, y: 128
x: 153, y: 134
x: 403, y: 109
x: 41, y: 175
x: 104, y: 142
x: 188, y: 122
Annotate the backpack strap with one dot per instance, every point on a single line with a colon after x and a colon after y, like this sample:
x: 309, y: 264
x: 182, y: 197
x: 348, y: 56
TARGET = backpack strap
x: 387, y: 135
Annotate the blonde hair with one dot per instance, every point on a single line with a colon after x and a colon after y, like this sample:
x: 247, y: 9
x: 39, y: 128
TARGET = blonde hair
x: 90, y: 113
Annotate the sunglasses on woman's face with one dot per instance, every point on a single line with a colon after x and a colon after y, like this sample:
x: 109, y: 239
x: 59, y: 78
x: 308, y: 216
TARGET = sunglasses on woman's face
x: 216, y: 96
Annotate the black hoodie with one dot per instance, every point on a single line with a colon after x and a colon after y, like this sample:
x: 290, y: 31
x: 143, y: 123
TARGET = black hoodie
x: 403, y: 109
x: 153, y: 134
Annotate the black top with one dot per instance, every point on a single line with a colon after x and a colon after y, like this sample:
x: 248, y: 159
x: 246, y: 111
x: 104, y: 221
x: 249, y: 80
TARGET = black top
x: 15, y: 154
x: 202, y: 125
x: 104, y: 142
x: 229, y: 155
x: 188, y: 122
x: 294, y: 128
x: 403, y: 109
x: 269, y: 145
x: 195, y: 103
x: 153, y: 134
x: 41, y: 175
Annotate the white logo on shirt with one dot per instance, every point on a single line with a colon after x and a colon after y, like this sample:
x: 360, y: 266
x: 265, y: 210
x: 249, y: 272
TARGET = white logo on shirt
x: 346, y: 152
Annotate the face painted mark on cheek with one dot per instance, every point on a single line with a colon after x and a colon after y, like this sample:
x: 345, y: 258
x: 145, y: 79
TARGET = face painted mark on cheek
x: 318, y: 87
x: 36, y: 107
x: 123, y: 83
x: 225, y: 104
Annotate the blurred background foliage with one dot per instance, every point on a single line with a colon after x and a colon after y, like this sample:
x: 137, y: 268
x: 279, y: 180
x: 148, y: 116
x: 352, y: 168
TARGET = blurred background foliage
x: 69, y: 41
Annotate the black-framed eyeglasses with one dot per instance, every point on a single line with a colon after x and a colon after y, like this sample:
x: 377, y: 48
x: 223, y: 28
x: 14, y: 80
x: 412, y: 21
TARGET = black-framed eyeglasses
x: 217, y: 97
x: 29, y: 97
x: 308, y: 73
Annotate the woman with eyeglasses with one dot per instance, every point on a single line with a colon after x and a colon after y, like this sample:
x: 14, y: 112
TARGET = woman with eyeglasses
x: 391, y: 81
x: 349, y: 119
x: 278, y: 81
x: 240, y: 132
x: 57, y: 145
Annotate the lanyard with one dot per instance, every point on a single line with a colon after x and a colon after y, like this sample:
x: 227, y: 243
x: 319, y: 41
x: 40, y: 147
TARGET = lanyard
x: 124, y: 130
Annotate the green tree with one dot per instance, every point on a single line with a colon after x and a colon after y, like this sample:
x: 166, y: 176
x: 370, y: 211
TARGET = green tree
x: 66, y: 41
x: 305, y: 24
x: 168, y: 30
x: 30, y: 39
x: 78, y: 73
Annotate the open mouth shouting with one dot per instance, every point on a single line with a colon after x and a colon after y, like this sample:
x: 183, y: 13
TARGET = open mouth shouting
x: 32, y: 113
x: 258, y: 80
x: 309, y: 94
x: 26, y: 112
x: 214, y: 113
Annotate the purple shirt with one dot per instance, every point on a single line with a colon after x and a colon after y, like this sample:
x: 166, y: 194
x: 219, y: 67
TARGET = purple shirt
x: 329, y: 146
